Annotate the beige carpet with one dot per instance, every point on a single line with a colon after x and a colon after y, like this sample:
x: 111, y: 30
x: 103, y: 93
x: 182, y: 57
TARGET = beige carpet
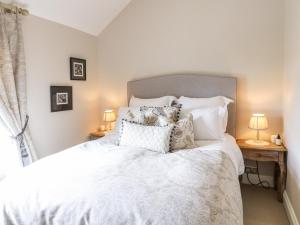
x: 261, y: 207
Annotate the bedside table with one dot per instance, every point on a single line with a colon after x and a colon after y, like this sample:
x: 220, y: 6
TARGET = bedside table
x: 268, y: 153
x: 96, y: 135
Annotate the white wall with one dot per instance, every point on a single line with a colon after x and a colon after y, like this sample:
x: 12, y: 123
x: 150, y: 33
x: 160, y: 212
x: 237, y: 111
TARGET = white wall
x: 291, y: 95
x: 239, y: 38
x: 48, y: 47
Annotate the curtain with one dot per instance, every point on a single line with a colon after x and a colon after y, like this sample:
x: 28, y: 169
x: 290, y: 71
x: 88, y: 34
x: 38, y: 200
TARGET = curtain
x: 13, y: 112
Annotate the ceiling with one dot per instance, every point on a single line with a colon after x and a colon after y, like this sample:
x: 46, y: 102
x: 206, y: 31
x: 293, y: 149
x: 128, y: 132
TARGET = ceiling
x: 90, y: 16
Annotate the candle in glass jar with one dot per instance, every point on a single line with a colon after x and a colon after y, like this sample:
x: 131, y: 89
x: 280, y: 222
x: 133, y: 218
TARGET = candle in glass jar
x: 102, y: 128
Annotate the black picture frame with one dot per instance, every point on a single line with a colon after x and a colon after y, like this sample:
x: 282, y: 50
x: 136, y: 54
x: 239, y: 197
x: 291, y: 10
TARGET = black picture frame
x: 61, y: 98
x: 77, y: 69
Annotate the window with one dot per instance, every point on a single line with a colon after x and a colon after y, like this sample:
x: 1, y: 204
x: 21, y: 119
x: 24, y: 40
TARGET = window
x: 9, y: 157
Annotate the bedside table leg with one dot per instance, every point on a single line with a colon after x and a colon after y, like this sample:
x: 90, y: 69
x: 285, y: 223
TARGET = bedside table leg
x: 282, y: 176
x: 276, y: 175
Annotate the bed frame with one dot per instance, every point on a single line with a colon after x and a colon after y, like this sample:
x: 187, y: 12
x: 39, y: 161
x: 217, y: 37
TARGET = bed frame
x: 189, y: 85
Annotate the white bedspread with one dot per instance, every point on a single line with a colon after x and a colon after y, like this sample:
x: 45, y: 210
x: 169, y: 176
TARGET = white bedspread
x: 100, y: 183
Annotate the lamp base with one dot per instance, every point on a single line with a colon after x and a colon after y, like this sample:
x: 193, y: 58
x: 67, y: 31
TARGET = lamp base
x: 257, y: 142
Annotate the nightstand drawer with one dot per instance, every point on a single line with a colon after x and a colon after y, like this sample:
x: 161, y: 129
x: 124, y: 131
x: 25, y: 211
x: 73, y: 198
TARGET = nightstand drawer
x: 260, y: 155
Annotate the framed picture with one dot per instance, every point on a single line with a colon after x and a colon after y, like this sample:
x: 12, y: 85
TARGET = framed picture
x: 61, y: 98
x: 77, y: 69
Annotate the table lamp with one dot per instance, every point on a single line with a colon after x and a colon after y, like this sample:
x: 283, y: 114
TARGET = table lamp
x: 108, y: 117
x: 258, y: 122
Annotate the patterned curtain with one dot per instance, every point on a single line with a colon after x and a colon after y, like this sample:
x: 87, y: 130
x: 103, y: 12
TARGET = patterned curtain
x: 13, y: 112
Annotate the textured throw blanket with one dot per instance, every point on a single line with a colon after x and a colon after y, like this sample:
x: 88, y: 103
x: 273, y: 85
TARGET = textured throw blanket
x: 100, y: 183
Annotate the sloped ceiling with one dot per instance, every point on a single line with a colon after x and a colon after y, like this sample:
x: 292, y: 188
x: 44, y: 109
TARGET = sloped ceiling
x: 90, y: 16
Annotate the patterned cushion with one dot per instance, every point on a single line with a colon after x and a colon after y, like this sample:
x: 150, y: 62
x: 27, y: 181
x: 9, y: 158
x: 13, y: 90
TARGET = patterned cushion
x: 134, y: 115
x: 183, y: 135
x: 122, y: 114
x: 160, y: 116
x: 154, y: 138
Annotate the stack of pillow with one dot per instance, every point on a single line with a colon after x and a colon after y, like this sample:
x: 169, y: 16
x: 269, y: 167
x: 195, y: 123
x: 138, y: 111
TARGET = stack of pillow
x: 167, y: 123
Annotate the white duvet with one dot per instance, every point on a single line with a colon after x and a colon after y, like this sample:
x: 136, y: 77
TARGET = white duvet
x: 100, y: 183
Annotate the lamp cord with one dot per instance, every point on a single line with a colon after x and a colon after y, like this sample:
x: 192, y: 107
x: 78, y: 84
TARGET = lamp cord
x: 261, y: 183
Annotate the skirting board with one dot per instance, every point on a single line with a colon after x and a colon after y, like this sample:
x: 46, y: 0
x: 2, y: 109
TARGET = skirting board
x: 254, y: 179
x: 289, y: 209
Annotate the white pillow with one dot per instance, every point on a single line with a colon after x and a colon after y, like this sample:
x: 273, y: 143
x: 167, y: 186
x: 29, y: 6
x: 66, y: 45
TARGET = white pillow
x: 154, y: 138
x: 207, y: 123
x: 194, y: 103
x: 155, y: 102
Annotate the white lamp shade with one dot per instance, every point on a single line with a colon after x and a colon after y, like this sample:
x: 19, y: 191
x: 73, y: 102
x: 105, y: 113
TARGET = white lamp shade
x: 258, y: 122
x: 109, y: 116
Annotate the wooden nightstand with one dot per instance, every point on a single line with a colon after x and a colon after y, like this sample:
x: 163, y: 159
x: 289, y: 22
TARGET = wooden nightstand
x: 269, y: 153
x: 96, y: 135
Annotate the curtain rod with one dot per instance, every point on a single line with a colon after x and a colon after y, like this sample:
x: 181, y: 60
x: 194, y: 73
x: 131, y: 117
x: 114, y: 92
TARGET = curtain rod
x: 9, y: 8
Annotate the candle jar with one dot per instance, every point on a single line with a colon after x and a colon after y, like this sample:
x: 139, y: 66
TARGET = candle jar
x: 278, y: 141
x: 273, y: 138
x: 102, y: 128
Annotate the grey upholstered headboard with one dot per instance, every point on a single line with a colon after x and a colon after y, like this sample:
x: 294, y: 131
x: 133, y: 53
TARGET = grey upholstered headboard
x: 189, y: 85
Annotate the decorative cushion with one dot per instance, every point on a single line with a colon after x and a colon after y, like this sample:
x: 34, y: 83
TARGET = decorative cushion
x: 160, y: 116
x: 155, y: 102
x: 122, y: 114
x: 134, y: 114
x: 154, y: 138
x: 183, y: 135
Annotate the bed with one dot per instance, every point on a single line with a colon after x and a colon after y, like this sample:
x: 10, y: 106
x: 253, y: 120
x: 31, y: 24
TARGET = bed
x: 99, y: 182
